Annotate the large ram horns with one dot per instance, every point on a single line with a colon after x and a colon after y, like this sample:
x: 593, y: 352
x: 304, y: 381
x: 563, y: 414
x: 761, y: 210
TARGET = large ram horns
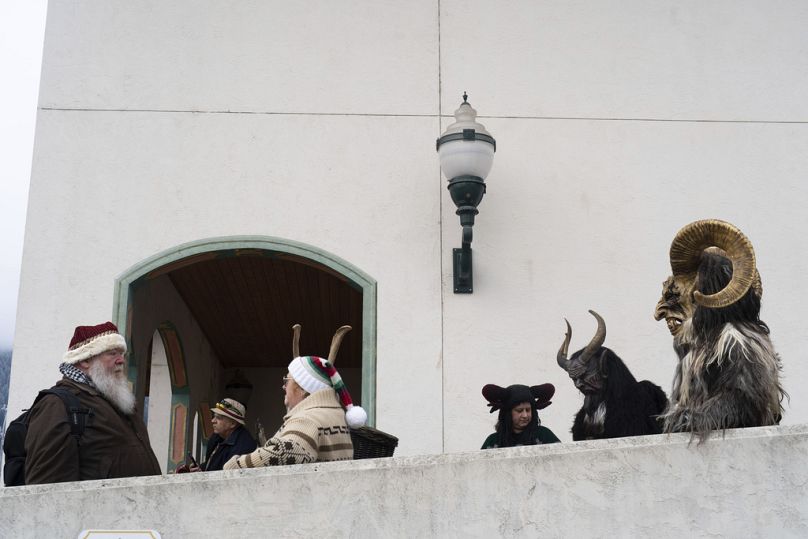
x: 695, y: 238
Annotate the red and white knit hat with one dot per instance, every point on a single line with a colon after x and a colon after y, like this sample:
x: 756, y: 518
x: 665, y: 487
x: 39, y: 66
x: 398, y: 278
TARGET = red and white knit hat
x: 314, y: 373
x: 89, y: 341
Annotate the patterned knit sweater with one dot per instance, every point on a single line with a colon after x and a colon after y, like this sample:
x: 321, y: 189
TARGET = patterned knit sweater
x: 313, y: 431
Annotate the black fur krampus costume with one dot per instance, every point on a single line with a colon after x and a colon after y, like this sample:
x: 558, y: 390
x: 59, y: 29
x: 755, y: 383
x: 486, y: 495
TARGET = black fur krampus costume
x: 615, y: 404
x: 728, y: 371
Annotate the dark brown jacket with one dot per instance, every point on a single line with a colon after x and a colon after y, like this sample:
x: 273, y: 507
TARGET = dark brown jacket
x: 113, y: 444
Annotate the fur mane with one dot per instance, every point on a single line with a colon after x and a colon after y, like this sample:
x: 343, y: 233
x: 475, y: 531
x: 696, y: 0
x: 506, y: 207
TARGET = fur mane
x: 728, y: 371
x: 623, y: 406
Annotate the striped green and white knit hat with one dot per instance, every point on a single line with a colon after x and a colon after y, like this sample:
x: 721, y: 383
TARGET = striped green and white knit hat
x: 314, y: 373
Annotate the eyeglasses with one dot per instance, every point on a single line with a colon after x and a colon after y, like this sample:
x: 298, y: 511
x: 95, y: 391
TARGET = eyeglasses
x: 285, y: 381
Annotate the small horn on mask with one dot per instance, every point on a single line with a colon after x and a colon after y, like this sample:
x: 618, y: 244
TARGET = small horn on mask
x: 563, y: 362
x: 597, y: 341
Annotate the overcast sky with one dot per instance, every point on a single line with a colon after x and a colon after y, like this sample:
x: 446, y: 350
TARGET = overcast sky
x: 22, y: 26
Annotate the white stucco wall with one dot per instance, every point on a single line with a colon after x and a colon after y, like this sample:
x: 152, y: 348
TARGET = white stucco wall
x: 159, y: 409
x: 616, y: 124
x: 751, y: 483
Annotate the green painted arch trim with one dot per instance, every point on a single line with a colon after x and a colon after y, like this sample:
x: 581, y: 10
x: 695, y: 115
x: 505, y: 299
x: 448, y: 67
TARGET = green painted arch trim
x: 180, y: 394
x: 176, y: 363
x: 358, y: 278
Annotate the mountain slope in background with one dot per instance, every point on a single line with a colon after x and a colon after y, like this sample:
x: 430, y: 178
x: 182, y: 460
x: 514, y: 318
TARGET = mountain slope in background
x: 5, y: 372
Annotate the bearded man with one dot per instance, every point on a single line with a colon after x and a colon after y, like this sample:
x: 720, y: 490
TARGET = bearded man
x: 114, y: 442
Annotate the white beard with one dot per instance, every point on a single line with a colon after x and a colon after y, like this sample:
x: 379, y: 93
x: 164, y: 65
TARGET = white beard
x: 114, y: 386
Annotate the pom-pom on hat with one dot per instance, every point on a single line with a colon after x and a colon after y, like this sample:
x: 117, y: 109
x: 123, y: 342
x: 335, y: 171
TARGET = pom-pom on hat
x: 89, y: 341
x: 314, y: 373
x: 231, y: 409
x: 508, y: 397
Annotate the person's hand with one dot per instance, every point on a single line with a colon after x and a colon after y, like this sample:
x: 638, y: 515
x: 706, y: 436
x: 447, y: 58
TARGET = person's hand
x: 193, y: 468
x: 182, y: 468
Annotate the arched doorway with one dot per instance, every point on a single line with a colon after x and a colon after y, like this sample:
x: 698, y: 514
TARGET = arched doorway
x: 166, y: 402
x: 234, y: 300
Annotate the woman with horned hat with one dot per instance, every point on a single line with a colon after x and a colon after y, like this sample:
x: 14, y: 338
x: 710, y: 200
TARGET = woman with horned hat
x: 518, y: 422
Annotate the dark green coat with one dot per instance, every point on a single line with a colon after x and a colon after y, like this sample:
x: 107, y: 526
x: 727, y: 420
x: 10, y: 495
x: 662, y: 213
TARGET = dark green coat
x: 546, y: 436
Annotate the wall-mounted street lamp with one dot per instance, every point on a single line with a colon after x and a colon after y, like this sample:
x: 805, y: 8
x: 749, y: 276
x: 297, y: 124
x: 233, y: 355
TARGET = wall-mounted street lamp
x: 466, y: 153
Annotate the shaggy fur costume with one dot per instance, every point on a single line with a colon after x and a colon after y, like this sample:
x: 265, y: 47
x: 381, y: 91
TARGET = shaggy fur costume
x: 615, y: 404
x: 622, y: 406
x: 728, y: 371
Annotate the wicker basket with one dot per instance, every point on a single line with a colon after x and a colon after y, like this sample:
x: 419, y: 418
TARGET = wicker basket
x: 370, y: 443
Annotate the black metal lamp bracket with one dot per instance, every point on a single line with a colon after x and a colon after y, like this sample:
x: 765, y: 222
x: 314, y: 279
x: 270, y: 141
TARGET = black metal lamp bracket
x: 467, y: 192
x: 462, y: 265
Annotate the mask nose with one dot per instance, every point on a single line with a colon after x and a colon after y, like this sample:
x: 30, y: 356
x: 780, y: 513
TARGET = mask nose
x: 659, y: 313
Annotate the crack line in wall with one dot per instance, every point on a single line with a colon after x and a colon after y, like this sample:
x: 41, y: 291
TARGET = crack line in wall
x: 439, y: 115
x: 440, y: 258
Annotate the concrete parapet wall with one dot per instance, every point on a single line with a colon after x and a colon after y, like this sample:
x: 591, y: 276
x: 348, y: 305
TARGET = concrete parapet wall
x: 750, y: 483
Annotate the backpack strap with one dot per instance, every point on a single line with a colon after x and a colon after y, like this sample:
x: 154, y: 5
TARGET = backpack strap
x: 77, y: 416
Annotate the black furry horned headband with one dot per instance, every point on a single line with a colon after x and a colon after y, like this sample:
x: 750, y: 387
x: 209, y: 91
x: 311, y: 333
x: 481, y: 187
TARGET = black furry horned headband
x: 508, y: 397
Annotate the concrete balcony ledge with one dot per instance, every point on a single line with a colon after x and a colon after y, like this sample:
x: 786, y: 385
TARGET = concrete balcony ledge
x: 746, y: 483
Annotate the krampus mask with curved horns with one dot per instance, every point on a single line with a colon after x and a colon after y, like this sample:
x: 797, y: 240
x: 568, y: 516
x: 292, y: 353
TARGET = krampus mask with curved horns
x: 615, y: 403
x: 586, y: 370
x: 728, y: 371
x: 680, y: 294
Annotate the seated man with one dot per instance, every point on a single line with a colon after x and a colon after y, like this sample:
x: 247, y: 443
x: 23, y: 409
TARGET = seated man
x: 230, y: 437
x: 315, y: 429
